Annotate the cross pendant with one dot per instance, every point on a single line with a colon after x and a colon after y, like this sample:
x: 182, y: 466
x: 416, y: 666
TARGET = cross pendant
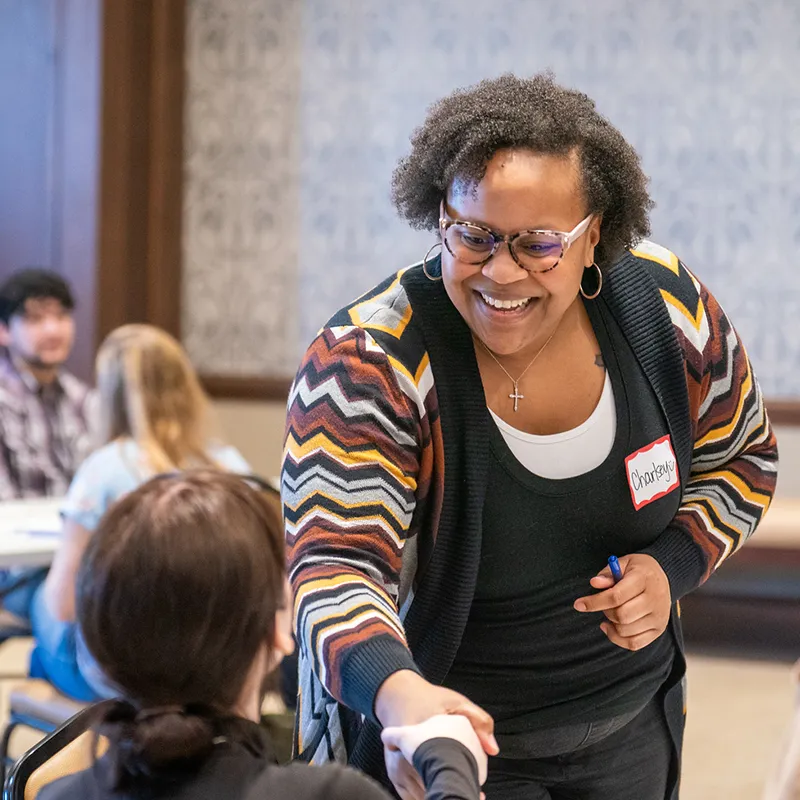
x: 516, y: 397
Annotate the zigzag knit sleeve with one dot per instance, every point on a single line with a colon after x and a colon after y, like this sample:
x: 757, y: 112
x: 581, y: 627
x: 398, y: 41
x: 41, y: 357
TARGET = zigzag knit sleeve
x: 349, y: 479
x: 735, y: 455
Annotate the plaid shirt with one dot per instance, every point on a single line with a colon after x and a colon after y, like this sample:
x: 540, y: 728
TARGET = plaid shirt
x: 45, y: 432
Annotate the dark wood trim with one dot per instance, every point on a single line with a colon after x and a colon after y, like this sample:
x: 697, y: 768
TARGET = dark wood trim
x: 784, y: 412
x: 122, y: 249
x: 755, y: 555
x: 165, y: 222
x: 139, y: 250
x: 243, y: 387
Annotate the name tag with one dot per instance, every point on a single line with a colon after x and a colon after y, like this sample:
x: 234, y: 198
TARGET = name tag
x: 652, y: 472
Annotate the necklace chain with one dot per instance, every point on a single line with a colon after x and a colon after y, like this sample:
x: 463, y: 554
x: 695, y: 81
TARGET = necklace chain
x: 516, y: 396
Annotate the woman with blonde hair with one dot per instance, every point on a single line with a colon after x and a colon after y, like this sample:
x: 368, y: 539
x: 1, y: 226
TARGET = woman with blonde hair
x: 154, y: 420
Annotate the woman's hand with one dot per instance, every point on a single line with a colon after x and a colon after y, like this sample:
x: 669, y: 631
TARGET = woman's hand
x: 406, y: 698
x: 408, y: 738
x: 637, y: 608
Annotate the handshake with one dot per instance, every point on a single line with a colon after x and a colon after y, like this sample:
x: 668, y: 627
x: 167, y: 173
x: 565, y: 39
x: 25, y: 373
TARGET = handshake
x: 433, y: 735
x: 443, y: 758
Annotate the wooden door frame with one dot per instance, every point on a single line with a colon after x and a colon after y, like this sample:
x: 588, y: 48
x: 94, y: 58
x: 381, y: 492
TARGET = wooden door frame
x: 141, y: 174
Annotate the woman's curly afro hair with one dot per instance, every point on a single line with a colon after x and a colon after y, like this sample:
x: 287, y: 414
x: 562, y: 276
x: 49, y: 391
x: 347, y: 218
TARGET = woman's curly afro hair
x: 464, y: 130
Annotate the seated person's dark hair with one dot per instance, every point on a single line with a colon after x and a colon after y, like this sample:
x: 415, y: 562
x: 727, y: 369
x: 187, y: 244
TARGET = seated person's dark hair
x: 177, y: 594
x: 32, y: 283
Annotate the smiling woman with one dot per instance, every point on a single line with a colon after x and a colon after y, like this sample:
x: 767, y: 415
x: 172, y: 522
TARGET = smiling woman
x: 519, y: 187
x: 470, y: 441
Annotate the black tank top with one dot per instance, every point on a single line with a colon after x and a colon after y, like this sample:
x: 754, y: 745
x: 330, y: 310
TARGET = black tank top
x: 527, y: 656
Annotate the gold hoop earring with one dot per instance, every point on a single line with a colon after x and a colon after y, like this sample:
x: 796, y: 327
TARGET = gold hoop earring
x: 596, y: 292
x: 430, y: 277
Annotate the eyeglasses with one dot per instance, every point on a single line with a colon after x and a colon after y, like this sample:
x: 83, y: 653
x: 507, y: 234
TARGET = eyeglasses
x: 534, y: 251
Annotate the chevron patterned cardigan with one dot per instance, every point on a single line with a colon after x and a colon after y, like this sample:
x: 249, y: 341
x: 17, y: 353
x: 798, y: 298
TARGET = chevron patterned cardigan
x: 384, y: 473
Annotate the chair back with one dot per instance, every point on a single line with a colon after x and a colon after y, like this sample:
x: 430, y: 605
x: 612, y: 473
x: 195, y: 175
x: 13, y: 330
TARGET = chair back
x: 67, y: 750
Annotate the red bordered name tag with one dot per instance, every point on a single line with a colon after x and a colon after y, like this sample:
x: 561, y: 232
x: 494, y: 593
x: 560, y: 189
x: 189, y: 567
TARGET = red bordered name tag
x: 652, y: 472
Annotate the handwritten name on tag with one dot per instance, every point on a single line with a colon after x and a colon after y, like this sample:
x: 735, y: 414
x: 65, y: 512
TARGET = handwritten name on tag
x: 652, y: 472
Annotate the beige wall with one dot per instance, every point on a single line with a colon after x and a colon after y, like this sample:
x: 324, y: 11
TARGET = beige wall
x: 789, y: 470
x: 256, y: 428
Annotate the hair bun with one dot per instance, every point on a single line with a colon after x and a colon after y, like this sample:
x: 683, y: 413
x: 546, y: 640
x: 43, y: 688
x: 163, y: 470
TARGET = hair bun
x: 158, y: 740
x: 171, y: 737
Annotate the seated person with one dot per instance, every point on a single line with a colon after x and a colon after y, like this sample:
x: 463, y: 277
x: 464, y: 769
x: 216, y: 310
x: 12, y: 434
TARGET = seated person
x: 153, y: 416
x: 183, y: 600
x: 45, y: 412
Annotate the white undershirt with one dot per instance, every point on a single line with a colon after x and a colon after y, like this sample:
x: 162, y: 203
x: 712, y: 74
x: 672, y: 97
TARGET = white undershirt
x: 568, y: 454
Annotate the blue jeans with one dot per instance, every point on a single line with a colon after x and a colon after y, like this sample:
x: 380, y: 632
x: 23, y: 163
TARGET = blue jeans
x: 18, y: 601
x: 61, y: 658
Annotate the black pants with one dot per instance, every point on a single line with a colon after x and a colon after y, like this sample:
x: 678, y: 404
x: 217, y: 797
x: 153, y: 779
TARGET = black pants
x: 631, y: 764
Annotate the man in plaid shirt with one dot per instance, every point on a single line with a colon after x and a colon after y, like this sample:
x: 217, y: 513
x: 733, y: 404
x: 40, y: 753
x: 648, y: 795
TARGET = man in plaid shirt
x: 45, y: 414
x: 44, y: 410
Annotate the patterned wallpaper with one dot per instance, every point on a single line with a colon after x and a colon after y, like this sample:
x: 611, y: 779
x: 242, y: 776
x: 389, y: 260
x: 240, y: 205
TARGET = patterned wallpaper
x: 298, y: 110
x: 242, y: 186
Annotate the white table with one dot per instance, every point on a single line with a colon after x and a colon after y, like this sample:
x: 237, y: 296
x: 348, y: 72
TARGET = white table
x: 30, y: 531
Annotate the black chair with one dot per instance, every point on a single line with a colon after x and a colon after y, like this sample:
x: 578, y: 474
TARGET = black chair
x: 38, y: 705
x: 68, y: 749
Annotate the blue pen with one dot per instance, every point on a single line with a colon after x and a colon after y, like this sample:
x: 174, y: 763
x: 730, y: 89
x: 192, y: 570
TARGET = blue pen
x: 616, y: 570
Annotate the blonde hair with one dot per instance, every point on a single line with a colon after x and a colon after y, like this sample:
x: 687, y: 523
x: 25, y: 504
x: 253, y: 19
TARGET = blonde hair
x: 149, y: 392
